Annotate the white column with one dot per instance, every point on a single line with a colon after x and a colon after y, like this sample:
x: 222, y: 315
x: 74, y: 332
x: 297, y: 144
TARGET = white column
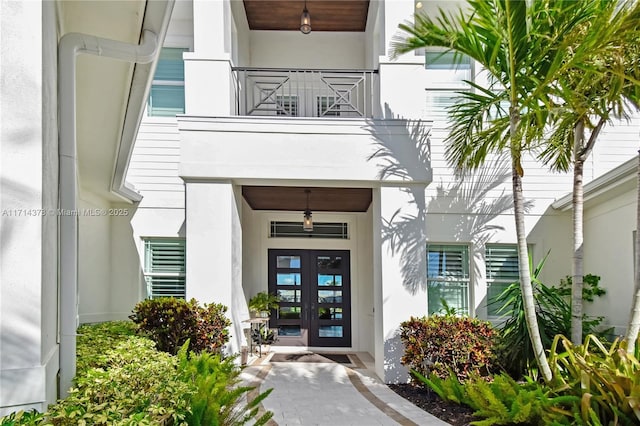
x: 214, y: 250
x: 28, y: 308
x: 209, y: 87
x: 402, y: 274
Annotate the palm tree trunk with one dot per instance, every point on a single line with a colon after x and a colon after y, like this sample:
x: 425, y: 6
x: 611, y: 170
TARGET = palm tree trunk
x: 578, y: 237
x: 525, y: 277
x: 634, y: 318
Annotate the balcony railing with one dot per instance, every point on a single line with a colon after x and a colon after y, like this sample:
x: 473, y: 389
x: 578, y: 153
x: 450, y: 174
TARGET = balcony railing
x: 305, y: 92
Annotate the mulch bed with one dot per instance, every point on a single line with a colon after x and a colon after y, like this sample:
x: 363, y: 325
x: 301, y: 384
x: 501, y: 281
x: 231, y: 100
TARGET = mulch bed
x: 455, y: 414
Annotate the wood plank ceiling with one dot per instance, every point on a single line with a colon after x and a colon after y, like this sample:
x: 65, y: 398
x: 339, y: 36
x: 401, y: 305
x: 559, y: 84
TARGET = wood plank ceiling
x: 295, y: 199
x: 326, y: 15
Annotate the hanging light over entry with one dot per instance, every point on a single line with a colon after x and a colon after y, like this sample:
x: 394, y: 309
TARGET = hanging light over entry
x: 307, y: 223
x: 305, y: 20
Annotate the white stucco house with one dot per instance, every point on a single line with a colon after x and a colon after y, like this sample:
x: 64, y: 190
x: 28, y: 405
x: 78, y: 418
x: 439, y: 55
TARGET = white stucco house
x: 202, y: 136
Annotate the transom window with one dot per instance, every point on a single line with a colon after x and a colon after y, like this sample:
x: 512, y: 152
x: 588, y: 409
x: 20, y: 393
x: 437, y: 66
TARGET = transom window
x: 501, y: 262
x: 164, y: 267
x: 166, y: 97
x: 447, y: 277
x: 338, y: 230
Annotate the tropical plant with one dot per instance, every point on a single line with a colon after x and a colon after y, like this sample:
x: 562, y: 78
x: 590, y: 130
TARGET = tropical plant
x: 606, y: 379
x: 448, y: 344
x: 503, y: 401
x: 514, y: 349
x: 218, y: 399
x: 586, y: 97
x: 264, y: 302
x: 523, y: 46
x: 170, y: 322
x: 132, y: 383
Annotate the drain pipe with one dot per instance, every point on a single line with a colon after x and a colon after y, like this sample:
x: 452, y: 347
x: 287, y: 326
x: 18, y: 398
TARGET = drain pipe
x: 70, y: 46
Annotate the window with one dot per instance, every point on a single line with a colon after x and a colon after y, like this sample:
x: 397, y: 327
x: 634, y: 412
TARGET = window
x: 502, y: 269
x: 448, y: 277
x: 446, y: 75
x: 166, y: 98
x: 287, y: 105
x: 327, y: 106
x: 164, y: 267
x: 336, y: 230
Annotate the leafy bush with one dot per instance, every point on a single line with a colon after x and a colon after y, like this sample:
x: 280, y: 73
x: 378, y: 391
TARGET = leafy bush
x: 606, y: 380
x: 440, y: 344
x: 503, y: 401
x: 553, y: 311
x: 218, y: 399
x: 131, y: 384
x: 95, y: 340
x: 170, y: 322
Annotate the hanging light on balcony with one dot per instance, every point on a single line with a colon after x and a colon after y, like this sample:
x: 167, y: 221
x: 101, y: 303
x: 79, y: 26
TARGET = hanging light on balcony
x: 307, y: 223
x: 305, y: 20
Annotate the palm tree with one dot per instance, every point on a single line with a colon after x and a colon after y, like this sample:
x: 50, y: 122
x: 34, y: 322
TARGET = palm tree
x: 523, y: 46
x: 587, y: 97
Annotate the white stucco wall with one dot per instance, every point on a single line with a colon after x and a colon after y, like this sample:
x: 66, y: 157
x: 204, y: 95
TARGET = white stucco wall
x: 609, y: 250
x: 28, y: 137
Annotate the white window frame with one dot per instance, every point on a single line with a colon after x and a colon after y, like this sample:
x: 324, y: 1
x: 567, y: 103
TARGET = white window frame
x: 166, y: 83
x: 450, y: 279
x: 499, y: 279
x: 175, y: 270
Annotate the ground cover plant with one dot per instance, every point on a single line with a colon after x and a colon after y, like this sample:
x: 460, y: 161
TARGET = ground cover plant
x: 122, y: 379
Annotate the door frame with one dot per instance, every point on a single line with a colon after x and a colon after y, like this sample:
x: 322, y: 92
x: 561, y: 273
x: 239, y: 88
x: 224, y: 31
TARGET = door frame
x: 310, y: 306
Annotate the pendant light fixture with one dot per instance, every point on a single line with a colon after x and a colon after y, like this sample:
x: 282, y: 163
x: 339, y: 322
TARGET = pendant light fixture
x: 305, y: 20
x: 307, y: 223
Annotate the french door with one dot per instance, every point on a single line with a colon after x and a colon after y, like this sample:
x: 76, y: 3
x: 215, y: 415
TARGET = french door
x: 315, y: 297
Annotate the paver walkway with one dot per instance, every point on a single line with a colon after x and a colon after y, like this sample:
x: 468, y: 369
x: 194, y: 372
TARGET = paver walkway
x: 306, y: 393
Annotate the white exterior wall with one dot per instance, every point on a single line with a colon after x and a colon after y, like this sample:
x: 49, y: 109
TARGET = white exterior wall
x: 28, y: 167
x: 609, y: 250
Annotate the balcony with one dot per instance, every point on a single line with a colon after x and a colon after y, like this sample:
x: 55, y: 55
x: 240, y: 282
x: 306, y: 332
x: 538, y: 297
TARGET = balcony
x: 276, y: 92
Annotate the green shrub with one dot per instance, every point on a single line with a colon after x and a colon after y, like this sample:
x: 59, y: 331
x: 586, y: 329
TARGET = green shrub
x: 503, y: 401
x: 553, y: 310
x: 443, y: 344
x: 605, y: 379
x: 130, y: 384
x: 218, y: 399
x: 170, y: 322
x: 94, y: 340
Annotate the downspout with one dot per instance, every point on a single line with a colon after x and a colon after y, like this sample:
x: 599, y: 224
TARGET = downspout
x: 70, y: 46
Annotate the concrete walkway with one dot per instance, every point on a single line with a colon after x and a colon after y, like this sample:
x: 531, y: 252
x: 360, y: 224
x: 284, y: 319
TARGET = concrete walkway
x: 329, y: 393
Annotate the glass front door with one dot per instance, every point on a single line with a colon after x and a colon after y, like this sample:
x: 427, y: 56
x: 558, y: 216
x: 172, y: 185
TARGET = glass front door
x: 315, y: 298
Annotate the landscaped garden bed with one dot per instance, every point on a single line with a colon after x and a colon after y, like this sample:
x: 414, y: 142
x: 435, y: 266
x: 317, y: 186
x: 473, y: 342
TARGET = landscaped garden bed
x: 124, y: 379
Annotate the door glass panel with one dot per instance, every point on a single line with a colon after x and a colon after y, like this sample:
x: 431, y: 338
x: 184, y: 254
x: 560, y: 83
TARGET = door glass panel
x: 329, y: 262
x: 288, y: 279
x: 292, y: 296
x: 289, y: 330
x: 330, y: 313
x: 330, y: 296
x: 289, y: 312
x: 330, y: 331
x: 330, y: 280
x: 288, y: 262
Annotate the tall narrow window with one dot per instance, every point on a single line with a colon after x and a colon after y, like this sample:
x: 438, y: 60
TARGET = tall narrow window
x: 447, y: 277
x: 166, y: 97
x: 446, y: 75
x: 502, y: 269
x: 287, y: 105
x: 164, y: 267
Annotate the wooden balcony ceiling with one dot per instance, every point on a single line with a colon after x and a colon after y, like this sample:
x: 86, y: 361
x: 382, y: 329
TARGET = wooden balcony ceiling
x: 292, y: 198
x: 326, y: 15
